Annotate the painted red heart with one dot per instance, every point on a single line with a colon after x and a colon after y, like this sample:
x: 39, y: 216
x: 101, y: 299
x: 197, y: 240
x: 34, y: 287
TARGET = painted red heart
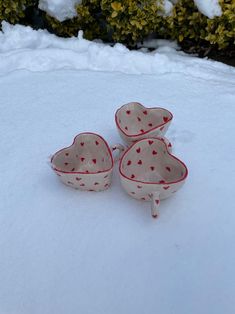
x: 96, y: 183
x: 145, y: 112
x: 154, y: 152
x: 138, y: 118
x: 82, y: 158
x: 168, y: 169
x: 150, y: 124
x: 82, y: 143
x: 94, y: 161
x: 96, y: 143
x: 66, y: 154
x: 142, y: 131
x: 129, y: 163
x: 152, y: 168
x: 126, y: 128
x: 82, y: 184
x: 157, y: 202
x: 138, y: 150
x: 162, y: 181
x: 78, y: 179
x: 132, y: 176
x: 66, y: 164
x: 140, y: 162
x: 139, y: 186
x: 73, y: 169
x: 128, y: 112
x: 150, y: 142
x: 166, y: 187
x: 165, y: 119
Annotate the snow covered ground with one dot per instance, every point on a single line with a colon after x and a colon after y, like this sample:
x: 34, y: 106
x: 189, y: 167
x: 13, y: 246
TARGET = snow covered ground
x: 65, y: 251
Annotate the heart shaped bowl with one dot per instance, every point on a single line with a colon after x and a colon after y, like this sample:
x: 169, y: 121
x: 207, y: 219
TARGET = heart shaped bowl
x: 149, y: 172
x: 135, y: 122
x: 87, y: 164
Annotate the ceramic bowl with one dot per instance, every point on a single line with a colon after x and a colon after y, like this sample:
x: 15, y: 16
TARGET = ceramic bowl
x: 135, y: 122
x: 87, y: 164
x: 150, y: 172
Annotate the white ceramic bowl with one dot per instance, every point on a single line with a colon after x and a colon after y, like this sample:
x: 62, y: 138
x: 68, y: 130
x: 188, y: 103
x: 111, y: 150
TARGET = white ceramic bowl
x: 87, y: 164
x: 135, y: 122
x: 150, y: 172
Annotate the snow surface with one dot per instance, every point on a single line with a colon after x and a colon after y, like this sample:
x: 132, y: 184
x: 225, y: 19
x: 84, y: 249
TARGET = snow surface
x: 65, y: 251
x: 24, y: 48
x: 60, y: 9
x: 210, y: 8
x: 167, y: 7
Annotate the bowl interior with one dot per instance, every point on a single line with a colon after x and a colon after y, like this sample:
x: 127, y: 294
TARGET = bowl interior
x: 149, y: 161
x: 135, y: 119
x: 89, y: 153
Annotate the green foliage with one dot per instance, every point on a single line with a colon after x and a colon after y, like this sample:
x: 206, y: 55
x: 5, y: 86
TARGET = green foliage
x: 126, y: 21
x: 12, y: 11
x: 130, y: 21
x: 187, y: 23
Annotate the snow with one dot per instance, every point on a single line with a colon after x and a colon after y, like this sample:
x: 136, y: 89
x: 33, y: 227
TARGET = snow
x: 167, y: 7
x: 210, y: 8
x: 66, y: 251
x: 24, y: 48
x: 60, y: 9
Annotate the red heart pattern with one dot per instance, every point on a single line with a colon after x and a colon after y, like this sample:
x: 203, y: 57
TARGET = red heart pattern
x: 82, y: 157
x: 134, y: 121
x: 158, y: 171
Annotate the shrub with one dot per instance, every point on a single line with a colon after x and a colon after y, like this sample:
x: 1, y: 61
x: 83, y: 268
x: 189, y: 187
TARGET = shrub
x: 13, y: 11
x: 187, y: 23
x: 126, y: 21
x: 131, y: 21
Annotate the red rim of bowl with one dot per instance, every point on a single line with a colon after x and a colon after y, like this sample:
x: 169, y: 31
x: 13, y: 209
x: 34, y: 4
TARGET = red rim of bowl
x: 140, y: 134
x: 138, y: 181
x: 79, y: 172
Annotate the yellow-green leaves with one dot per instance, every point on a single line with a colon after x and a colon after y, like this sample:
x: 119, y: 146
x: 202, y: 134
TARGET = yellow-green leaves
x: 188, y: 23
x: 116, y: 6
x: 12, y: 11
